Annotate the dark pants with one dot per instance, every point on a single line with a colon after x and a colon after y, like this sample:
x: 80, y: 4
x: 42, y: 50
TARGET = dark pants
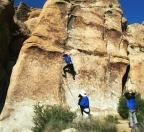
x: 70, y: 69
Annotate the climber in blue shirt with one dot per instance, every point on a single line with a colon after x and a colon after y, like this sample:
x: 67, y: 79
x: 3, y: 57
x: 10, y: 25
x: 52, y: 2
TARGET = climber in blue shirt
x: 69, y: 67
x: 84, y: 104
x: 131, y: 105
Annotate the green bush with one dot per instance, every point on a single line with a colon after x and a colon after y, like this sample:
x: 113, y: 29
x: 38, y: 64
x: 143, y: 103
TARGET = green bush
x: 123, y: 110
x: 110, y: 5
x: 111, y: 119
x: 94, y: 125
x: 52, y: 118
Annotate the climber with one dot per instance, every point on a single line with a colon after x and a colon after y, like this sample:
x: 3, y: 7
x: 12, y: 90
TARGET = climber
x: 84, y: 104
x: 69, y: 67
x: 131, y: 104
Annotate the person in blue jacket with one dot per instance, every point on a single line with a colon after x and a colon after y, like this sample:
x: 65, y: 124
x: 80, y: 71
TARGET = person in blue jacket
x: 84, y: 104
x: 131, y: 105
x: 69, y: 67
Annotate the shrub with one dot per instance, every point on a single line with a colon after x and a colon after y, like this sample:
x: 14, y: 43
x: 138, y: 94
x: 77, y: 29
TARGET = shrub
x: 123, y: 110
x: 51, y: 118
x: 110, y: 5
x: 111, y: 119
x: 140, y: 107
x: 94, y: 125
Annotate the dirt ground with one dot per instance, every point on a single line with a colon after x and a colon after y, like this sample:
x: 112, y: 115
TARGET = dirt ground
x: 123, y: 126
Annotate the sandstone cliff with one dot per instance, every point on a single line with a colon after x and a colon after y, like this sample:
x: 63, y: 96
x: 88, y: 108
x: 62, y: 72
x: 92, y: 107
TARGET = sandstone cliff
x: 135, y: 36
x: 93, y: 33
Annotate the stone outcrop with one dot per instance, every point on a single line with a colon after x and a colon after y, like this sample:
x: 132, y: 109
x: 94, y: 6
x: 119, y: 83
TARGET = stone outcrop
x: 6, y: 24
x: 135, y: 37
x: 22, y: 12
x: 31, y: 23
x: 20, y: 30
x: 34, y: 13
x: 91, y: 32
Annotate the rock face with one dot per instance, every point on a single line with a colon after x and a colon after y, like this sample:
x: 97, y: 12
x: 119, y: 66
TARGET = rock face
x: 91, y: 32
x: 136, y: 52
x: 22, y: 12
x: 31, y: 23
x: 6, y: 23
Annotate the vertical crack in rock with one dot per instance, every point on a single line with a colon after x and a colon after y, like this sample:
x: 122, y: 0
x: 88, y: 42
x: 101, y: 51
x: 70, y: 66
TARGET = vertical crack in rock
x: 104, y: 36
x: 125, y: 78
x: 68, y: 16
x: 121, y: 40
x: 68, y: 20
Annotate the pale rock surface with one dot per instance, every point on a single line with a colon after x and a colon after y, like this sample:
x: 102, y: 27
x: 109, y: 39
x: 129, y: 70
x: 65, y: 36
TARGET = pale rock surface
x: 34, y: 13
x: 135, y: 37
x: 91, y: 32
x: 31, y: 24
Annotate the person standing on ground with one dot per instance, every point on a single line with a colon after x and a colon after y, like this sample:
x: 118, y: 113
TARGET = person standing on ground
x: 69, y: 67
x: 131, y: 104
x: 84, y: 104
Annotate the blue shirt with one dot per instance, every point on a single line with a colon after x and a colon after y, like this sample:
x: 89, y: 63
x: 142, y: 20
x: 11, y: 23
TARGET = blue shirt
x: 67, y: 59
x: 84, y: 102
x: 131, y: 104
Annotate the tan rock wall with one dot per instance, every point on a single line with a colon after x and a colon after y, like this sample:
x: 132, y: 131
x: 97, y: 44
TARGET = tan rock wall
x: 96, y: 44
x: 136, y: 52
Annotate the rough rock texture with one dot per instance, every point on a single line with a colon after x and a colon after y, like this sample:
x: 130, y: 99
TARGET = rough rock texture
x: 135, y: 36
x: 20, y: 30
x: 31, y: 24
x: 22, y: 12
x: 6, y: 22
x: 34, y: 13
x: 91, y: 32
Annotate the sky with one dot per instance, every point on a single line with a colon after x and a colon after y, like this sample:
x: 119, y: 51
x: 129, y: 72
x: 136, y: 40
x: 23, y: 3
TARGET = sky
x: 133, y: 10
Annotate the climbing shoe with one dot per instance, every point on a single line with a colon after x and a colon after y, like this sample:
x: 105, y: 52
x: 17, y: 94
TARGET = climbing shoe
x: 73, y: 77
x: 64, y: 76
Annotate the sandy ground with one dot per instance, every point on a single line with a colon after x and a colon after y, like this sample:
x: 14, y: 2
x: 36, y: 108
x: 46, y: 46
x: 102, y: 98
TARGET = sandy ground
x: 123, y: 126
